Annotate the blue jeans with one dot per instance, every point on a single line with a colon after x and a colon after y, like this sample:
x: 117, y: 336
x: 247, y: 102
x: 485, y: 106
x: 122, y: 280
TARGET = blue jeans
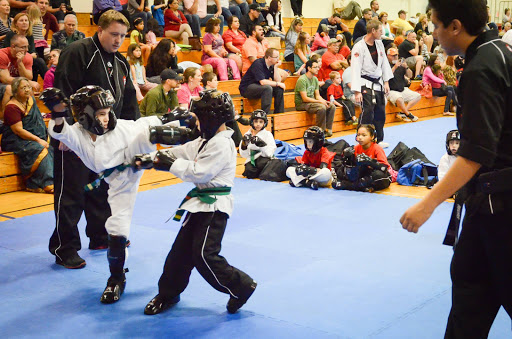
x: 195, y: 23
x: 208, y: 17
x: 233, y: 10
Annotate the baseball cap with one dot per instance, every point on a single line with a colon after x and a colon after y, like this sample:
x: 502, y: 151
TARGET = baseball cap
x: 332, y: 41
x: 255, y: 7
x: 392, y: 51
x: 169, y: 74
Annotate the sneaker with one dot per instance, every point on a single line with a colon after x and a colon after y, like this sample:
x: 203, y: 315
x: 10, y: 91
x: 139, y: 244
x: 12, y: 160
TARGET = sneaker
x: 403, y: 116
x: 159, y: 304
x: 412, y: 117
x: 312, y: 184
x: 328, y: 133
x: 234, y: 304
x: 113, y: 291
x: 355, y: 122
x: 98, y: 244
x: 349, y: 122
x: 383, y: 144
x: 73, y: 261
x: 448, y: 114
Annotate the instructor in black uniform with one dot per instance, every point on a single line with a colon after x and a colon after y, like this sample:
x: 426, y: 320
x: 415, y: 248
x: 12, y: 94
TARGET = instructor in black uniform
x: 91, y: 61
x: 481, y: 268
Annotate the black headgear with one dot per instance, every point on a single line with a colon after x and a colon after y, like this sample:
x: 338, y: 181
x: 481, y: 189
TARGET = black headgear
x: 213, y: 108
x: 52, y: 97
x: 452, y: 135
x: 84, y: 104
x: 317, y: 135
x: 258, y: 114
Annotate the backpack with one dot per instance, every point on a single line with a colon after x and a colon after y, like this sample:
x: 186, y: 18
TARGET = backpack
x: 417, y: 173
x: 274, y: 170
x: 402, y: 154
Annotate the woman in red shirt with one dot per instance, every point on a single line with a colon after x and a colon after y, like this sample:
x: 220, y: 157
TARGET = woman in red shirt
x: 176, y: 25
x: 234, y: 39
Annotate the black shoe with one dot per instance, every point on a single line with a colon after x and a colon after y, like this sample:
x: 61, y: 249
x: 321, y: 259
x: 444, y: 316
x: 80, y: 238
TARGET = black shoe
x: 159, y: 304
x: 234, y: 304
x: 128, y: 243
x: 98, y: 244
x: 312, y: 184
x: 72, y: 261
x: 113, y: 291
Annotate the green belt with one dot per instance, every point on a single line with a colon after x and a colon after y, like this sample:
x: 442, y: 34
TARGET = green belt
x: 253, y: 154
x: 105, y: 174
x: 206, y: 195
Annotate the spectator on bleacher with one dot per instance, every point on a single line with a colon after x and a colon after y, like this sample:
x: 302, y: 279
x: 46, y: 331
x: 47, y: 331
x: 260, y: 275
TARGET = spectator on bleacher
x: 360, y: 27
x: 250, y: 19
x: 506, y: 16
x: 228, y: 10
x: 234, y: 40
x: 139, y: 9
x: 291, y: 37
x: 27, y: 137
x: 422, y: 25
x: 137, y: 36
x: 162, y: 57
x: 348, y: 9
x: 387, y: 35
x: 275, y: 20
x: 191, y: 86
x: 15, y: 62
x: 138, y: 71
x: 507, y: 37
x: 399, y: 94
x: 374, y: 6
x: 307, y: 98
x: 60, y: 8
x: 176, y: 25
x: 254, y: 47
x: 320, y: 41
x: 302, y: 52
x: 5, y: 19
x: 411, y: 52
x: 399, y: 36
x: 157, y: 10
x: 506, y: 28
x: 331, y: 61
x: 22, y: 25
x: 34, y: 15
x: 101, y: 6
x: 334, y: 25
x: 92, y: 61
x: 490, y: 24
x: 18, y: 6
x: 370, y: 75
x: 199, y: 8
x: 69, y: 34
x: 439, y: 88
x: 336, y: 96
x: 296, y: 7
x: 215, y: 54
x: 163, y: 98
x: 343, y: 48
x: 53, y: 60
x: 152, y: 31
x: 49, y: 20
x: 242, y: 4
x: 263, y: 80
x: 401, y: 21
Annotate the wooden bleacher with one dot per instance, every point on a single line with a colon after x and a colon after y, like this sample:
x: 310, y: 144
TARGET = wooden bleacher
x: 285, y: 126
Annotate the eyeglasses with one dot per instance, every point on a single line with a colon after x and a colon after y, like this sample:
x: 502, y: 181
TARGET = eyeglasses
x: 22, y: 47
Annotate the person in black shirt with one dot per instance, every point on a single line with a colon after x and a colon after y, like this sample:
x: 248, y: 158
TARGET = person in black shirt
x: 360, y: 27
x: 399, y: 94
x: 250, y: 19
x: 263, y: 80
x: 334, y: 25
x: 410, y: 51
x: 480, y: 268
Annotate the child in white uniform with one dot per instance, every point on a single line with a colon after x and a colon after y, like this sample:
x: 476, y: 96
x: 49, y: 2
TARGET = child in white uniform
x: 447, y: 160
x: 106, y: 146
x: 257, y: 145
x: 209, y: 162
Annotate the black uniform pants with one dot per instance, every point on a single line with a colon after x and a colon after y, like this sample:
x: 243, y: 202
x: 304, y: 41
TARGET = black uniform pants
x: 374, y: 111
x: 251, y: 171
x: 70, y: 200
x: 481, y: 272
x: 198, y: 244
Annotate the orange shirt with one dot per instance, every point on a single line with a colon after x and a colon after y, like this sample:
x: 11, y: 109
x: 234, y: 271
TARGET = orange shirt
x: 327, y: 59
x: 253, y: 48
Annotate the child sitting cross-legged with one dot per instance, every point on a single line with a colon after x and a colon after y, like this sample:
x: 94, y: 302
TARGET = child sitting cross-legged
x: 365, y: 166
x: 257, y: 145
x: 315, y: 165
x: 336, y: 96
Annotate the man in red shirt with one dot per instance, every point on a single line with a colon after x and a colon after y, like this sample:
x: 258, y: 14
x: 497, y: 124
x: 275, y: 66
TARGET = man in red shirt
x: 332, y: 61
x: 15, y: 62
x: 49, y: 20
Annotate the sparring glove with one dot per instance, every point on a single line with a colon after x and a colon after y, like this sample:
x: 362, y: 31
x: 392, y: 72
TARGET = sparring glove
x: 364, y: 160
x: 305, y: 170
x: 258, y: 141
x: 169, y: 135
x: 52, y: 97
x: 142, y: 161
x: 245, y: 141
x: 179, y: 113
x: 163, y: 161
